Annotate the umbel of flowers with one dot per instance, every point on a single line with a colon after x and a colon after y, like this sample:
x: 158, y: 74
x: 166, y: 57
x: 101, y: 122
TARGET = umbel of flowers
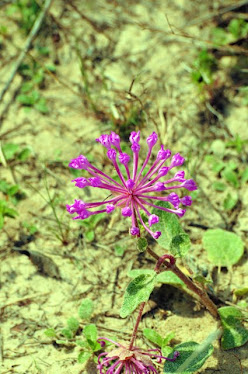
x: 136, y: 190
x: 129, y: 361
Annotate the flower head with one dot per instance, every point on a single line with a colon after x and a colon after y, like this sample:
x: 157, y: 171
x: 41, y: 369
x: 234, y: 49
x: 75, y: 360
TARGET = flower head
x: 129, y: 361
x: 136, y: 190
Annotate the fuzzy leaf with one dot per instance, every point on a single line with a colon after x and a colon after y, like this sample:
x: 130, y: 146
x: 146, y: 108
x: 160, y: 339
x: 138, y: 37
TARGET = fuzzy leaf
x: 90, y: 333
x: 86, y: 309
x: 168, y: 277
x: 188, y: 351
x: 73, y: 324
x: 138, y: 290
x: 153, y: 336
x: 83, y: 357
x: 51, y: 333
x: 224, y: 248
x: 235, y: 334
x: 173, y: 237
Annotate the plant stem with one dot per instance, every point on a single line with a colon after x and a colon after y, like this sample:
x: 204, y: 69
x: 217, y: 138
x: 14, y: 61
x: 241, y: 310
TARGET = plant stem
x: 134, y: 334
x: 191, y: 285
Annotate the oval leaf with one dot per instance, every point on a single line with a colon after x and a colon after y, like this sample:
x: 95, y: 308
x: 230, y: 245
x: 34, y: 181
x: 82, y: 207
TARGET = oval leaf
x: 173, y: 237
x: 168, y: 277
x: 138, y: 290
x: 234, y: 334
x: 153, y: 336
x: 224, y: 248
x: 191, y: 358
x: 83, y: 357
x: 86, y: 309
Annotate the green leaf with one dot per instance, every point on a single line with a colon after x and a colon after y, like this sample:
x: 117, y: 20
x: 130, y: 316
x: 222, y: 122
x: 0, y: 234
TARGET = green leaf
x: 41, y: 106
x: 90, y: 333
x: 26, y: 87
x: 244, y: 176
x: 217, y: 166
x: 241, y: 291
x: 13, y: 190
x: 224, y: 248
x: 24, y: 154
x: 166, y: 351
x: 73, y: 324
x: 136, y: 272
x: 142, y: 244
x: 82, y: 343
x: 1, y: 221
x: 138, y: 290
x: 9, y: 150
x: 230, y: 201
x: 119, y: 250
x: 173, y: 237
x: 219, y: 186
x: 86, y: 309
x: 89, y: 236
x: 67, y: 333
x: 191, y: 358
x: 28, y: 99
x: 230, y: 177
x: 234, y: 334
x: 51, y: 333
x: 83, y: 357
x: 168, y: 277
x: 168, y: 338
x: 153, y: 336
x: 61, y: 342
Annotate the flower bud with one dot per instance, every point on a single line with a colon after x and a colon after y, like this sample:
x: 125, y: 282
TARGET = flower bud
x: 134, y: 231
x: 134, y: 137
x: 152, y: 139
x: 135, y: 147
x: 177, y: 160
x: 163, y: 154
x: 124, y: 158
x: 104, y: 140
x: 153, y: 218
x: 80, y: 162
x: 126, y: 212
x: 110, y: 208
x: 189, y: 184
x: 114, y: 139
x: 186, y: 200
x: 111, y: 154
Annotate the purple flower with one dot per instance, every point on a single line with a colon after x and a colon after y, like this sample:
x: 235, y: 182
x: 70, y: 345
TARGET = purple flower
x: 129, y: 361
x: 135, y: 191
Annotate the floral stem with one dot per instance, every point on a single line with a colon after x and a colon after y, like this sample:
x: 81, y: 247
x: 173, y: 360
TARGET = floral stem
x: 134, y: 334
x: 191, y: 285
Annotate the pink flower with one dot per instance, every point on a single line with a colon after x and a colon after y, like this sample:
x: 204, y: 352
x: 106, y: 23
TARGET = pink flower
x: 136, y: 191
x: 123, y: 360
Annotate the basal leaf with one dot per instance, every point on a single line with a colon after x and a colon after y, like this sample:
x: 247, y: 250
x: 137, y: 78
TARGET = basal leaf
x: 90, y: 333
x: 224, y: 248
x: 234, y: 334
x: 83, y: 357
x: 191, y: 358
x: 86, y: 309
x: 73, y: 324
x: 153, y: 336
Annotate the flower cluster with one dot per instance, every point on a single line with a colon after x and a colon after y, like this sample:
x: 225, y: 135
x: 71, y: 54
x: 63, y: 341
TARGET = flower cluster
x: 129, y: 361
x: 136, y: 190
